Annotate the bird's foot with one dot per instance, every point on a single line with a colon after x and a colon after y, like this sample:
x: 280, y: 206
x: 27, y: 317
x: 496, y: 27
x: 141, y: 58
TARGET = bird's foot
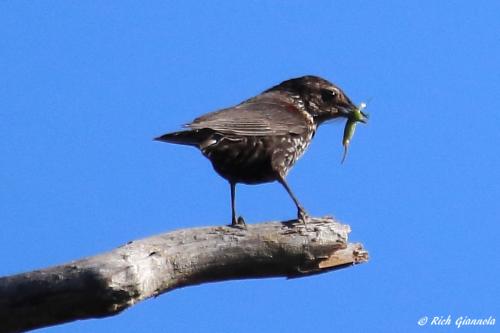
x: 302, y: 216
x: 239, y: 223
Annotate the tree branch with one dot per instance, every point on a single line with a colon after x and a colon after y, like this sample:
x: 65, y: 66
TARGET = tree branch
x: 108, y: 283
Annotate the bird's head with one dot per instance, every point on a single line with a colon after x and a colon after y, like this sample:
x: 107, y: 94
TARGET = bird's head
x: 325, y: 101
x: 322, y: 99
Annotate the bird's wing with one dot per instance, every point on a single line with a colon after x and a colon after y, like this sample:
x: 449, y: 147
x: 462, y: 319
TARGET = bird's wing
x: 266, y: 114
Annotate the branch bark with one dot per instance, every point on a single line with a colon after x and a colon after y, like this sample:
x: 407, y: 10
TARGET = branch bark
x: 108, y: 283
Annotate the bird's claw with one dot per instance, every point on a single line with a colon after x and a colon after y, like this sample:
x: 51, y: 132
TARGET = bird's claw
x: 239, y: 223
x: 302, y: 216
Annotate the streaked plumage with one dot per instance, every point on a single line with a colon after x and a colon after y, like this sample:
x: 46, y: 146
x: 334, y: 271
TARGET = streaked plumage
x: 259, y: 140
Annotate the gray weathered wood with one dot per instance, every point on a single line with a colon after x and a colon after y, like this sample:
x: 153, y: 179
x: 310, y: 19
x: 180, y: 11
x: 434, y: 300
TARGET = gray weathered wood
x: 106, y: 284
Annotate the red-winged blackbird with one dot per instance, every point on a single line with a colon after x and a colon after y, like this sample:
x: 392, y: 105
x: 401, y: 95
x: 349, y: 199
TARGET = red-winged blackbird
x: 259, y: 140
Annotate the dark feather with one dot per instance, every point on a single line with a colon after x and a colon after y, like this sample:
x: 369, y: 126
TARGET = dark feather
x: 189, y: 138
x: 272, y: 113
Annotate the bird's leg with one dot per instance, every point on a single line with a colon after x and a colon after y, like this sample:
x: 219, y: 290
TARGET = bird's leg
x: 240, y: 222
x: 301, y: 212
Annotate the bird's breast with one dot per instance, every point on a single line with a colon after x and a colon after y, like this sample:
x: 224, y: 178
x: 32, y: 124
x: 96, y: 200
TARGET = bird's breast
x: 292, y: 148
x: 255, y: 159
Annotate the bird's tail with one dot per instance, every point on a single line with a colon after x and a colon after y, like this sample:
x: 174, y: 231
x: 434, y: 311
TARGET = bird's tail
x: 189, y: 138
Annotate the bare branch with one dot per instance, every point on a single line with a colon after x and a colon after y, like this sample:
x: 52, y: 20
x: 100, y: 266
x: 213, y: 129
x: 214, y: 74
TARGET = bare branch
x: 106, y: 284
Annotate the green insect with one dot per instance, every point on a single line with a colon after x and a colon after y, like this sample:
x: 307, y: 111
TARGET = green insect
x: 356, y: 116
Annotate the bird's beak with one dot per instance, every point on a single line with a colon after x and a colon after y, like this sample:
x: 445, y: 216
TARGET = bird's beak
x: 363, y: 117
x: 355, y: 112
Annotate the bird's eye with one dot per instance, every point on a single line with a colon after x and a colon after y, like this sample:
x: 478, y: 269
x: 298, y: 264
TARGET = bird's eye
x: 327, y: 95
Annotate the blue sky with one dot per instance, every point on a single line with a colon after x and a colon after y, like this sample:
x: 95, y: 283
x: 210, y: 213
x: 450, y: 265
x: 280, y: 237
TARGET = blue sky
x: 85, y: 86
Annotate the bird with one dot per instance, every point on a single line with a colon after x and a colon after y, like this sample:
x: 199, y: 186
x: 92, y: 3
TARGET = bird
x: 259, y: 140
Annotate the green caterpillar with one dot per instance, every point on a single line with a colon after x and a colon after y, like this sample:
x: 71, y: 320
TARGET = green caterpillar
x: 356, y: 116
